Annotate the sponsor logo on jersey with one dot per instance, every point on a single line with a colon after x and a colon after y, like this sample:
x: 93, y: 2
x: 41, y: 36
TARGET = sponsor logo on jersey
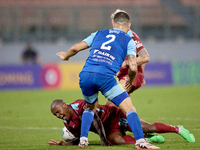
x: 138, y: 44
x: 103, y: 53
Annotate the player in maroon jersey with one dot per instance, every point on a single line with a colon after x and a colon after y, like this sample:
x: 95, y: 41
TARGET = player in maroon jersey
x: 142, y: 59
x: 114, y: 122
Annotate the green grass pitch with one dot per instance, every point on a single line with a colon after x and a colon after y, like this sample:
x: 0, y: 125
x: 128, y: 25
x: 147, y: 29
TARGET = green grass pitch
x: 27, y: 123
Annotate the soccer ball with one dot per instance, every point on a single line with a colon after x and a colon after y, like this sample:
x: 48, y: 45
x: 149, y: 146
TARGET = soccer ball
x: 67, y: 135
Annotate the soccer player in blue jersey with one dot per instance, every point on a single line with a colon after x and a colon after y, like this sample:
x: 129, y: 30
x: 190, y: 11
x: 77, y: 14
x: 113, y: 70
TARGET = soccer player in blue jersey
x: 108, y: 51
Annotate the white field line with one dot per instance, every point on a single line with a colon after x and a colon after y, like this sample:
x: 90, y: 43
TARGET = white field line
x: 177, y: 118
x: 31, y: 128
x: 57, y: 128
x: 159, y: 118
x: 42, y: 128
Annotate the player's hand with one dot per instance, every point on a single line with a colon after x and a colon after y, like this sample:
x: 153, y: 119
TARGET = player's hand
x: 124, y: 64
x: 128, y: 84
x: 143, y: 82
x: 62, y: 55
x: 54, y: 142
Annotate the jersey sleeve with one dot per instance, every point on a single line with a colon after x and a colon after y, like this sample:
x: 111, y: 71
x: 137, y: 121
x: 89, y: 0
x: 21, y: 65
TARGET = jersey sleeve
x: 131, y: 48
x: 136, y: 39
x: 89, y: 39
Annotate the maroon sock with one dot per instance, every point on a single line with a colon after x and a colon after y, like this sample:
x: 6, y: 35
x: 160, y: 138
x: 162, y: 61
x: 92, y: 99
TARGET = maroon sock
x: 129, y: 139
x: 163, y: 128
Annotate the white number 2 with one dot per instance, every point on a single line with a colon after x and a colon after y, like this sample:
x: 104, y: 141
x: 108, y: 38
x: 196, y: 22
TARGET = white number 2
x: 103, y: 46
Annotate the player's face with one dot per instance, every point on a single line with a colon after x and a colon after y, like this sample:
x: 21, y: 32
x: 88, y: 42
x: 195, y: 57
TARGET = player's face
x: 61, y: 111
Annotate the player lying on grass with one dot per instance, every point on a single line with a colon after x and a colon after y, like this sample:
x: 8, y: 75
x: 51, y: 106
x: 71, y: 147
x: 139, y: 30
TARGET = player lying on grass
x: 114, y: 122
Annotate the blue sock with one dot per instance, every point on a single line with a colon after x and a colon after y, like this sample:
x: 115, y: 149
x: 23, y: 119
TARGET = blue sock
x: 87, y: 119
x: 135, y: 124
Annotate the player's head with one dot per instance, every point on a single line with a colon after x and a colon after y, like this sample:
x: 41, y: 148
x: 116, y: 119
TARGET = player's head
x: 121, y: 19
x: 61, y: 109
x: 117, y: 11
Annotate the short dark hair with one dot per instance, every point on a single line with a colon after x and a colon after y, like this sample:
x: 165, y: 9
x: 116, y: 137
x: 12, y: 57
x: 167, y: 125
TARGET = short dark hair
x: 56, y: 101
x: 121, y: 18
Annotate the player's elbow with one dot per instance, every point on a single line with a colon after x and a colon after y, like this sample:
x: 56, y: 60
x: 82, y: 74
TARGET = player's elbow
x: 144, y: 59
x: 147, y: 59
x: 75, y: 48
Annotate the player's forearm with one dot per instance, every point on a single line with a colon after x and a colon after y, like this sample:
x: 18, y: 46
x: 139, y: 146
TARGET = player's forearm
x: 71, y: 52
x: 131, y: 74
x: 132, y: 71
x: 73, y: 142
x: 143, y: 57
x: 142, y: 60
x: 75, y: 49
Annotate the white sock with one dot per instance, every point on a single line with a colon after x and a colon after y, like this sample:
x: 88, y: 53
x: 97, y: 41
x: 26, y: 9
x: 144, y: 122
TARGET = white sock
x: 84, y: 138
x: 140, y: 140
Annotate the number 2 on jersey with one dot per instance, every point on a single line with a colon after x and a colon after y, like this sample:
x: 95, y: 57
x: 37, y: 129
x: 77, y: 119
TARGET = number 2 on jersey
x: 103, y: 46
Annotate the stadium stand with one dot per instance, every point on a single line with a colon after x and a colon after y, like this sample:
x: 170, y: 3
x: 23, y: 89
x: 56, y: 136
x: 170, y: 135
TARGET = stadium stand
x: 47, y: 18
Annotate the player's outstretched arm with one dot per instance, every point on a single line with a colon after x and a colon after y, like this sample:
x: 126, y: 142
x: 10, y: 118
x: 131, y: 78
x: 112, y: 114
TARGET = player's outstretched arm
x: 72, y: 51
x: 132, y: 71
x: 62, y: 143
x: 55, y: 143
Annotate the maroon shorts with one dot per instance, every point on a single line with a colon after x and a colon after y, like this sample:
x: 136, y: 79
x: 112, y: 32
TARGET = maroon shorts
x: 137, y: 82
x: 117, y: 123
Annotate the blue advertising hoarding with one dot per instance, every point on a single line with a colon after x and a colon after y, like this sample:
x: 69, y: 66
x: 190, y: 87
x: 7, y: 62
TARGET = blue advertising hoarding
x: 158, y: 74
x: 66, y: 76
x: 20, y: 77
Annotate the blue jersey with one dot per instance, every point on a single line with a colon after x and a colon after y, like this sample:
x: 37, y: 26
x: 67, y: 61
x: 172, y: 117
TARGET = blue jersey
x: 108, y: 51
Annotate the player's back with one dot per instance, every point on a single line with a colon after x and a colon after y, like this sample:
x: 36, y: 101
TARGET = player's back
x: 108, y: 50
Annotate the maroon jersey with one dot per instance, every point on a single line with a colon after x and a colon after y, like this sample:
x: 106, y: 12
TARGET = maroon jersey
x: 123, y: 73
x: 112, y: 118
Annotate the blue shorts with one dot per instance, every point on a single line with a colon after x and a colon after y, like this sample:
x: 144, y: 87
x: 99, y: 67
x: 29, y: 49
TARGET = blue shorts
x: 91, y: 83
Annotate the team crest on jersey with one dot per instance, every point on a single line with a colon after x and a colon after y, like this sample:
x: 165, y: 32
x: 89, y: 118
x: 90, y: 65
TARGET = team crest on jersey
x: 75, y: 106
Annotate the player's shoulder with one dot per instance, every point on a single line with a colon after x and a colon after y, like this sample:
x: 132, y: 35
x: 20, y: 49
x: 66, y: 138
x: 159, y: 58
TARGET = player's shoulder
x: 133, y: 34
x: 77, y: 104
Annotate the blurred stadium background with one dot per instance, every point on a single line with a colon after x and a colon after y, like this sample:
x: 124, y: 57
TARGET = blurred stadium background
x: 169, y: 29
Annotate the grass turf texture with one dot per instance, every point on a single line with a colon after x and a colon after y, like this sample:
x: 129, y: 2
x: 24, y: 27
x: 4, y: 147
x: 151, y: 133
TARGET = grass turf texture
x: 27, y: 123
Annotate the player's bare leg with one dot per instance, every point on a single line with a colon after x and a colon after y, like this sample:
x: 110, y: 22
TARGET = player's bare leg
x: 116, y: 138
x: 147, y: 127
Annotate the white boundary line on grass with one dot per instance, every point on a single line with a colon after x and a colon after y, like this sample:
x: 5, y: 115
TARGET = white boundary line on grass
x: 57, y: 128
x: 40, y: 128
x: 145, y: 118
x: 31, y: 128
x: 177, y: 118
